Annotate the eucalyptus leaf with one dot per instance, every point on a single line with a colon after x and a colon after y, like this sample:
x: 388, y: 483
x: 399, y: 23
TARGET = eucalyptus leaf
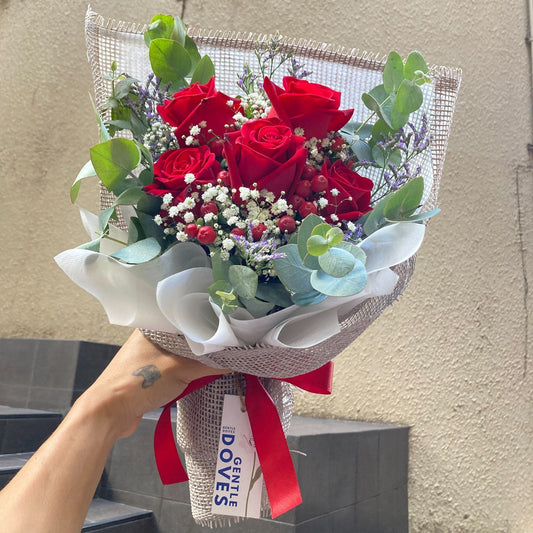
x: 150, y: 228
x: 161, y: 27
x: 274, y: 292
x: 334, y: 236
x: 87, y: 171
x: 244, y: 281
x: 414, y: 62
x: 93, y: 246
x: 256, y: 307
x: 362, y: 150
x: 104, y: 216
x: 317, y: 245
x: 356, y: 251
x: 123, y: 87
x: 113, y: 160
x: 129, y: 196
x: 139, y: 252
x: 135, y: 231
x: 146, y: 176
x: 204, y: 71
x: 380, y: 130
x: 418, y: 217
x: 405, y: 201
x: 398, y: 120
x: 376, y: 219
x: 337, y: 262
x: 192, y: 50
x: 308, y: 298
x: 291, y: 271
x: 321, y: 229
x: 348, y: 285
x: 221, y: 292
x: 149, y: 204
x: 379, y: 101
x: 409, y: 97
x: 393, y: 72
x: 170, y: 61
x: 128, y: 183
x: 221, y: 267
x: 104, y: 134
x: 305, y: 231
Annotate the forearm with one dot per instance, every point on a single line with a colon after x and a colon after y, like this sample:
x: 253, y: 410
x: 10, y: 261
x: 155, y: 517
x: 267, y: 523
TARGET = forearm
x: 53, y: 492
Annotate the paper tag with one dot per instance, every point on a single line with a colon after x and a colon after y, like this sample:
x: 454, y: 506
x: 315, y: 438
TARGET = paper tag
x: 238, y: 478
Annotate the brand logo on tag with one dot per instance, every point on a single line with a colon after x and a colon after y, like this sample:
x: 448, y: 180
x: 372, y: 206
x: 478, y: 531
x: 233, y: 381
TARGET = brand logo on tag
x: 238, y: 478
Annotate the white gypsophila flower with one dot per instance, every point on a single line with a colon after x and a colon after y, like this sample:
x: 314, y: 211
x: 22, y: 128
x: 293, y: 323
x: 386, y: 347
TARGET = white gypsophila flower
x: 189, y: 203
x: 228, y: 244
x: 169, y: 231
x: 173, y: 211
x: 299, y: 132
x: 188, y: 217
x: 230, y: 211
x: 221, y: 197
x: 268, y: 196
x: 232, y: 220
x: 325, y: 142
x: 334, y: 217
x: 181, y: 236
x: 158, y: 220
x: 203, y: 124
x: 242, y: 224
x: 208, y: 217
x: 189, y: 177
x: 224, y: 255
x: 323, y: 202
x: 254, y: 193
x: 244, y: 193
x: 281, y: 205
x: 195, y: 130
x: 334, y: 192
x: 351, y: 226
x: 229, y: 103
x: 168, y: 198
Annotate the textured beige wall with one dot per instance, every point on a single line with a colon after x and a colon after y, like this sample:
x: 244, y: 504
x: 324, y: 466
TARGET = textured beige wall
x: 450, y: 359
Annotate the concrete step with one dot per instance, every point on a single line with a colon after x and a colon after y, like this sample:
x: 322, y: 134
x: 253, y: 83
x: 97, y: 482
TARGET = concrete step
x: 24, y: 430
x: 10, y: 464
x: 111, y: 517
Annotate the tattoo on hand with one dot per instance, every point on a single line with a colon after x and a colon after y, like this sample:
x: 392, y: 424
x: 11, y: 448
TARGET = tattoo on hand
x: 149, y: 373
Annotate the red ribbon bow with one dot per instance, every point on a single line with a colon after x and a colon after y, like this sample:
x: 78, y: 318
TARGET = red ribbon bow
x: 272, y: 450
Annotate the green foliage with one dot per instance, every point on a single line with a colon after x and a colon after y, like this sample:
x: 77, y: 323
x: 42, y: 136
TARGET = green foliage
x: 243, y: 280
x: 113, y: 160
x: 139, y: 252
x: 87, y: 171
x: 223, y: 295
x: 336, y: 267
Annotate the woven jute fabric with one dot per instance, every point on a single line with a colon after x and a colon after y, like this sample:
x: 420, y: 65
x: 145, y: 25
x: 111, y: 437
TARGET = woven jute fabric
x: 349, y: 71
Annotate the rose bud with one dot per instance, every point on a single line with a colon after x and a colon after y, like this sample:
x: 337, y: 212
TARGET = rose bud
x: 307, y: 208
x: 206, y: 235
x: 319, y: 183
x: 257, y: 232
x: 287, y: 224
x: 191, y: 230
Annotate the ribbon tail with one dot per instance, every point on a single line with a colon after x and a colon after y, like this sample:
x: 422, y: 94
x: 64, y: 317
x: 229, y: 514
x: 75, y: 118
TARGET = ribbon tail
x: 318, y: 381
x: 168, y: 461
x: 271, y: 445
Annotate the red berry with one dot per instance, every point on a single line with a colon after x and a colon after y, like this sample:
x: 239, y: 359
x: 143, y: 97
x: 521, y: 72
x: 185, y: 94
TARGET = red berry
x: 287, y: 224
x: 206, y: 235
x: 209, y: 207
x: 223, y: 176
x: 303, y: 188
x: 319, y: 183
x: 216, y: 146
x: 257, y: 232
x: 296, y: 201
x: 307, y: 208
x: 191, y: 230
x: 309, y: 172
x: 336, y: 144
x: 238, y: 231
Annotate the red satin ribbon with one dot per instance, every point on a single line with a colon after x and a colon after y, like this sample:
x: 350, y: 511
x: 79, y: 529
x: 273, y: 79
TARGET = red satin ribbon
x: 270, y: 442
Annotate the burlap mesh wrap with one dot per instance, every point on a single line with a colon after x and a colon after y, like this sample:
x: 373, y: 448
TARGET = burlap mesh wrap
x: 350, y: 71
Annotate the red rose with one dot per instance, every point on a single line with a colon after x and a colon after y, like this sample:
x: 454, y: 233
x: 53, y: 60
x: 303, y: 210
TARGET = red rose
x: 172, y: 166
x: 353, y: 196
x: 310, y: 106
x: 266, y: 152
x: 197, y: 104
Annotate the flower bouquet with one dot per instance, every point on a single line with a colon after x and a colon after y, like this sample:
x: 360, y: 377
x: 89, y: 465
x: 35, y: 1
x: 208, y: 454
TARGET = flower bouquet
x: 252, y: 220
